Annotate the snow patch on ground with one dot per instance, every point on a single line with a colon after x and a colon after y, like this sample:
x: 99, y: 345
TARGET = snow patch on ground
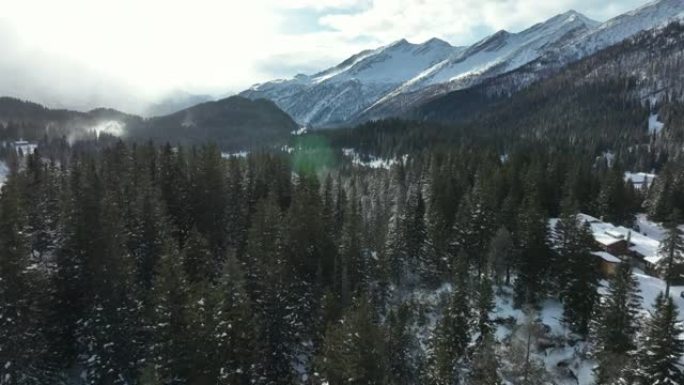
x: 654, y: 125
x: 371, y: 161
x: 300, y: 131
x: 239, y: 154
x: 4, y: 171
x: 640, y: 180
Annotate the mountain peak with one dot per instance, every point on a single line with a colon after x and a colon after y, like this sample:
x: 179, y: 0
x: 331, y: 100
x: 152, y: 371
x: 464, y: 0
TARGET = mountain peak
x: 436, y: 42
x: 568, y: 17
x: 399, y: 43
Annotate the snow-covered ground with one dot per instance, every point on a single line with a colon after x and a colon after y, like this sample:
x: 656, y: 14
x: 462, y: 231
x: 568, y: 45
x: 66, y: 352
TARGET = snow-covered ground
x: 561, y: 351
x: 24, y: 147
x: 239, y: 154
x: 640, y: 180
x: 654, y: 125
x: 370, y: 160
x: 4, y: 170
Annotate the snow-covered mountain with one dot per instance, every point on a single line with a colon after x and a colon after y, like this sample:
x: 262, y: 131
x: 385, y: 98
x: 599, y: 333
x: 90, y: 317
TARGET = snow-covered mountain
x: 338, y: 93
x: 651, y: 15
x: 386, y: 81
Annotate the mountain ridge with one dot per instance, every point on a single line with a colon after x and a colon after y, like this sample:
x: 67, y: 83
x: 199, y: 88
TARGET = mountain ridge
x: 349, y: 93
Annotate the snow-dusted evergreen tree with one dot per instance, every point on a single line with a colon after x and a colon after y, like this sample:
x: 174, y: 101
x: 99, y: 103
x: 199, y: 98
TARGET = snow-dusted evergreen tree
x: 661, y: 347
x: 403, y: 352
x: 23, y: 346
x: 353, y: 350
x: 350, y: 271
x: 197, y: 259
x: 168, y: 353
x: 415, y: 234
x: 485, y: 305
x: 475, y: 224
x: 579, y: 274
x: 485, y: 363
x: 440, y: 199
x: 395, y: 244
x: 501, y: 255
x: 615, y: 326
x: 533, y: 254
x: 234, y: 329
x: 672, y: 248
x: 448, y: 344
x: 108, y: 333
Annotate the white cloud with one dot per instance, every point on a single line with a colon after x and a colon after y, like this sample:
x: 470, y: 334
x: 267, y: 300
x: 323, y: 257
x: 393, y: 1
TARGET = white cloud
x: 82, y: 52
x: 460, y: 21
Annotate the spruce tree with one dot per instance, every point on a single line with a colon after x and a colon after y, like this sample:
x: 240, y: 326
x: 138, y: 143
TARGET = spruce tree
x: 169, y: 351
x: 502, y: 255
x: 579, y: 278
x: 233, y: 329
x: 533, y: 252
x: 450, y: 339
x: 354, y: 349
x: 616, y: 325
x: 402, y: 347
x: 23, y: 347
x: 415, y: 232
x: 485, y: 365
x: 661, y: 346
x: 672, y: 248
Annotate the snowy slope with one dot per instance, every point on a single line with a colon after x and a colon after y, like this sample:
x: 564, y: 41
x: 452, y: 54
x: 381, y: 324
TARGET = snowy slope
x: 617, y: 29
x: 333, y: 95
x: 499, y: 53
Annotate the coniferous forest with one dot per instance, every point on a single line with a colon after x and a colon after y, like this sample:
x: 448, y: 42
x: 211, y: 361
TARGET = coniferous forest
x: 133, y: 263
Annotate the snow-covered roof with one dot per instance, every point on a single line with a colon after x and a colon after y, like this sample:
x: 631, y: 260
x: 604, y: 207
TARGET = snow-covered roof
x: 640, y: 179
x: 607, y: 234
x: 606, y: 256
x: 606, y: 239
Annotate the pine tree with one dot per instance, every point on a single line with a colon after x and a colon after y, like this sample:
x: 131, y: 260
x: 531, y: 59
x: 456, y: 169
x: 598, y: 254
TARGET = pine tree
x: 415, y: 232
x: 533, y: 254
x: 475, y: 225
x: 273, y: 293
x: 451, y: 336
x: 662, y: 347
x: 197, y: 258
x: 672, y: 247
x: 502, y: 255
x: 170, y: 321
x: 485, y: 364
x: 351, y: 273
x: 354, y: 350
x: 401, y: 347
x: 579, y: 276
x: 234, y: 330
x: 107, y: 335
x: 485, y: 305
x: 616, y: 324
x: 23, y: 348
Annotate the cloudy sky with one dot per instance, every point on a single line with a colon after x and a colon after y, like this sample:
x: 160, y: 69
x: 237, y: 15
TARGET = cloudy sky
x: 123, y: 53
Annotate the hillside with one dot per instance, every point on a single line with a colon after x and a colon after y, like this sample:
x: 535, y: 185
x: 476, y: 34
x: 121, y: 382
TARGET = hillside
x: 234, y: 123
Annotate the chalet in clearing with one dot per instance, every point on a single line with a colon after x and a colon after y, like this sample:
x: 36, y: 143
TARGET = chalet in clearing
x: 623, y: 244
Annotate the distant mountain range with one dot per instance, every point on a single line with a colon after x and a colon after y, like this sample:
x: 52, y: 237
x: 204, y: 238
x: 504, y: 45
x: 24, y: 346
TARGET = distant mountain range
x: 398, y: 78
